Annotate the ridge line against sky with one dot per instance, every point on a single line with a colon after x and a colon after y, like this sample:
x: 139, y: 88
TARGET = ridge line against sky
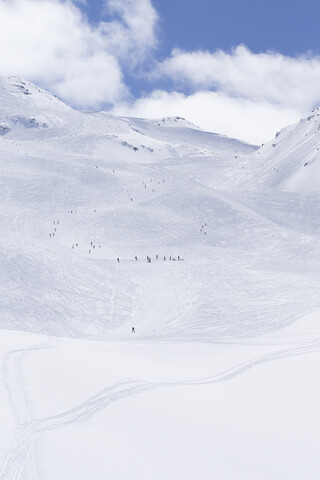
x: 230, y: 69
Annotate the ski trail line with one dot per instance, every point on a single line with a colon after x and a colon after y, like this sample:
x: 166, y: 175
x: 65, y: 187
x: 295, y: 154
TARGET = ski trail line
x: 17, y: 394
x: 29, y: 432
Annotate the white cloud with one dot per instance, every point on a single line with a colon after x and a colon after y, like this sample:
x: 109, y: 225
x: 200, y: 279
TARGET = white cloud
x: 252, y: 121
x: 241, y: 94
x: 50, y: 42
x: 238, y: 93
x: 137, y: 25
x: 270, y: 76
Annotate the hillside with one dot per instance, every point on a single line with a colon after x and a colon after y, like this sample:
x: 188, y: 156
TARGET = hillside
x: 225, y: 311
x: 290, y: 162
x: 136, y: 188
x: 126, y: 197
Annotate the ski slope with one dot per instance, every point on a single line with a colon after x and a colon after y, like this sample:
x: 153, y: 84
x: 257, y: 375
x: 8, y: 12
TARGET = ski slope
x: 220, y: 378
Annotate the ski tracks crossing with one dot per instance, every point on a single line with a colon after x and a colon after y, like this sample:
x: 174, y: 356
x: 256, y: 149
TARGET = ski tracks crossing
x: 31, y: 429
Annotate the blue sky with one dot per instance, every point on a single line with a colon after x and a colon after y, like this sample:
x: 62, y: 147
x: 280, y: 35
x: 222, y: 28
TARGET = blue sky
x: 286, y: 26
x: 242, y: 68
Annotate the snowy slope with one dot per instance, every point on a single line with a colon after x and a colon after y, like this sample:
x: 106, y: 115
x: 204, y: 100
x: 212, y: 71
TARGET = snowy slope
x: 226, y: 313
x: 291, y: 161
x: 93, y: 176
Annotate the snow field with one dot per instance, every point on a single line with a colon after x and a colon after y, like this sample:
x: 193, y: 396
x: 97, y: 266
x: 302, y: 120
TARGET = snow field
x: 180, y: 409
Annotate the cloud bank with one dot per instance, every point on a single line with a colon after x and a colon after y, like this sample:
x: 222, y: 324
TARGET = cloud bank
x: 51, y: 42
x: 269, y: 77
x: 239, y: 93
x: 242, y: 94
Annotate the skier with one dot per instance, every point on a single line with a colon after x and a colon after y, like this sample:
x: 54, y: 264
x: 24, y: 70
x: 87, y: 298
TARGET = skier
x: 118, y: 260
x: 133, y: 330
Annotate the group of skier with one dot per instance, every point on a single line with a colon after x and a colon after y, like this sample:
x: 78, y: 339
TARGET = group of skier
x: 157, y: 258
x: 55, y: 223
x: 203, y: 229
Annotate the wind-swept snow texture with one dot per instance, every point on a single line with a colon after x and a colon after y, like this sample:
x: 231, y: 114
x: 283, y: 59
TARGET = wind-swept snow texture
x: 220, y: 379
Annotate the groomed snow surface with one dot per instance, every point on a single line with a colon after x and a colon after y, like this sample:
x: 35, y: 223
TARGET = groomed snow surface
x: 221, y: 378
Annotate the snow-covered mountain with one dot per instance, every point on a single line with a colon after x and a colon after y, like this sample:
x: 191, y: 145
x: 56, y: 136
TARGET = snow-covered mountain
x: 291, y: 161
x: 132, y: 190
x: 231, y: 286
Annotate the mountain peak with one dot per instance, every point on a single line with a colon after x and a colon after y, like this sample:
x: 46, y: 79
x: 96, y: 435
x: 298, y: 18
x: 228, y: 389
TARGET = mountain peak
x: 22, y: 103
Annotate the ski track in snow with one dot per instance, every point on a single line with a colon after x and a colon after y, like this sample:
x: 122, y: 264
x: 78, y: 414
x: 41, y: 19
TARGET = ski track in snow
x: 27, y: 433
x: 17, y: 393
